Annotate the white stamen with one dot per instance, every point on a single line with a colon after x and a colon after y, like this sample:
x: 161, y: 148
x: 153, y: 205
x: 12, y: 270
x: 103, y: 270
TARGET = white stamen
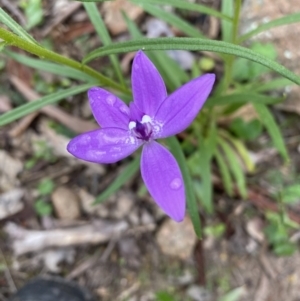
x: 131, y: 125
x: 146, y: 119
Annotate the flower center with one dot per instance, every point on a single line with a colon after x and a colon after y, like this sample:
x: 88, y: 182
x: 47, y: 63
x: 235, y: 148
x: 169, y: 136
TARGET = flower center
x: 141, y: 129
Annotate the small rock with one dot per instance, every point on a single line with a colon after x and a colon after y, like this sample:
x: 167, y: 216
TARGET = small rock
x: 124, y: 205
x: 10, y: 202
x: 10, y: 167
x: 198, y: 293
x: 156, y: 28
x: 177, y: 239
x: 66, y: 203
x: 134, y: 217
x: 146, y: 218
x: 185, y: 279
x: 255, y: 228
x: 87, y: 204
x: 113, y: 18
x: 130, y: 251
x: 53, y: 257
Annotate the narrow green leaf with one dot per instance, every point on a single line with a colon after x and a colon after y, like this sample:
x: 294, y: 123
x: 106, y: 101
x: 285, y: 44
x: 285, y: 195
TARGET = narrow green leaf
x: 93, y: 0
x: 289, y: 19
x: 30, y: 107
x: 127, y: 173
x: 234, y: 166
x: 274, y: 84
x: 44, y: 53
x: 172, y: 19
x: 172, y: 74
x: 192, y: 44
x: 227, y: 26
x: 241, y: 98
x: 15, y: 27
x: 192, y: 206
x: 49, y: 67
x: 224, y: 171
x: 241, y: 150
x: 206, y: 178
x: 186, y: 5
x: 101, y: 29
x: 270, y: 124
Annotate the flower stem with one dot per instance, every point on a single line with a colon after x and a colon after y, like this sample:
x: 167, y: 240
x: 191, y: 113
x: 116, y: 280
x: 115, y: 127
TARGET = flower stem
x: 14, y: 40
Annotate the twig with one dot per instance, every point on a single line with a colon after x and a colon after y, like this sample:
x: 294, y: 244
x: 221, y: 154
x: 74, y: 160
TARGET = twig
x: 99, y: 231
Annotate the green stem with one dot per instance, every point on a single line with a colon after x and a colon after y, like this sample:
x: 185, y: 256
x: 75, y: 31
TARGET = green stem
x: 43, y: 53
x: 230, y: 60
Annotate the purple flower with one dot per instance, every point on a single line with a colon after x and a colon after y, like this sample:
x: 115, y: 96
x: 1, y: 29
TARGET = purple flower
x: 152, y: 115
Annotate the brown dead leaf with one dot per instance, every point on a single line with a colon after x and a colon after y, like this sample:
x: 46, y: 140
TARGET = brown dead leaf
x: 113, y: 18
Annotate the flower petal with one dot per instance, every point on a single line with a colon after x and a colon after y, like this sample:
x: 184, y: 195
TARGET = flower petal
x: 107, y: 145
x: 135, y: 113
x: 178, y: 111
x: 163, y: 179
x: 148, y: 86
x: 108, y: 109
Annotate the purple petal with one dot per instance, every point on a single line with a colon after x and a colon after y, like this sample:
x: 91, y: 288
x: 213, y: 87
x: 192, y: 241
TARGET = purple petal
x: 107, y: 145
x: 178, y: 111
x: 135, y: 113
x: 108, y: 109
x: 147, y: 85
x: 163, y: 179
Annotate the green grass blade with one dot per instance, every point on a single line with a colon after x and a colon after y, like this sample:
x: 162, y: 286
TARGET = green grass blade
x: 192, y: 205
x: 241, y: 98
x: 97, y: 21
x: 172, y: 74
x: 270, y: 124
x: 225, y: 173
x: 227, y: 26
x: 274, y: 84
x: 241, y: 150
x: 193, y: 44
x: 38, y: 50
x: 172, y: 19
x: 206, y: 178
x: 289, y: 19
x: 127, y: 173
x: 183, y: 4
x: 234, y: 166
x: 15, y: 27
x: 30, y: 107
x: 93, y: 0
x: 49, y: 67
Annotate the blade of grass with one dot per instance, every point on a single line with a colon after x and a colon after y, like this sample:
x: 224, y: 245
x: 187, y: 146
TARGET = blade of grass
x: 43, y: 53
x: 272, y: 85
x: 241, y: 98
x: 186, y: 5
x: 241, y: 150
x: 97, y: 21
x: 192, y: 206
x: 227, y: 26
x: 49, y: 67
x: 289, y: 19
x: 127, y: 173
x: 270, y: 124
x: 225, y: 173
x: 30, y: 107
x: 172, y: 19
x: 15, y: 27
x: 192, y: 44
x: 234, y: 166
x: 172, y: 74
